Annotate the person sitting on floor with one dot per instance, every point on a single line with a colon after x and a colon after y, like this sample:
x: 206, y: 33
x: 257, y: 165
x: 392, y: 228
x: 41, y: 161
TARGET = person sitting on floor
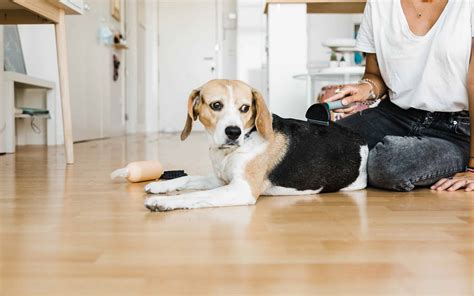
x: 421, y: 53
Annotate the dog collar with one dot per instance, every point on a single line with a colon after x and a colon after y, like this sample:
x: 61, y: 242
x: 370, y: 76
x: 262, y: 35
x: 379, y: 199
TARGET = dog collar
x: 247, y: 135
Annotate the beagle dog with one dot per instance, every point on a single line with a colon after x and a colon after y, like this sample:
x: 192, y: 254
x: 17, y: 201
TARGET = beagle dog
x: 256, y: 153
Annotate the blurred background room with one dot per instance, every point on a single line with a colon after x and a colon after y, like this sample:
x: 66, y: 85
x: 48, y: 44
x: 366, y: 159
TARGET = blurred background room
x: 132, y: 64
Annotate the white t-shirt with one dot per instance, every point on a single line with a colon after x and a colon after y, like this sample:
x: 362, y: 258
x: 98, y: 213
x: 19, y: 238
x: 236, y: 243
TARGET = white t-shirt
x: 424, y: 72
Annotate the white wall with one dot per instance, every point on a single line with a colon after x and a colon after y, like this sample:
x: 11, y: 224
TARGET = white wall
x: 287, y: 56
x: 151, y: 70
x: 131, y: 69
x: 142, y: 66
x: 251, y: 34
x: 228, y: 31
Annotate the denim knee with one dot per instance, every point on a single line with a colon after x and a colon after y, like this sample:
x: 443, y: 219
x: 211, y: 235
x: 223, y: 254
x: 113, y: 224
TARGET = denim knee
x: 401, y: 163
x: 385, y: 167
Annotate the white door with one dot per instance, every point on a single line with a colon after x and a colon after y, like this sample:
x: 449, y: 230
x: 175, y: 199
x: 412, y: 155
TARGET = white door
x: 113, y: 112
x: 141, y: 66
x: 188, y: 55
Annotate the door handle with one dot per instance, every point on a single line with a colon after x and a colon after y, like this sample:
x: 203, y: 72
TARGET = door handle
x: 208, y: 58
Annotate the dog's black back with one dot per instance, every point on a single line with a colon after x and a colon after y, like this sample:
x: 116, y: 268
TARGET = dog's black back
x: 317, y: 156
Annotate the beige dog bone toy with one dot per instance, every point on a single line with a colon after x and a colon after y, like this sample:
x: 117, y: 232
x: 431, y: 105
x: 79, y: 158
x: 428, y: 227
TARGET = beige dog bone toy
x: 139, y: 171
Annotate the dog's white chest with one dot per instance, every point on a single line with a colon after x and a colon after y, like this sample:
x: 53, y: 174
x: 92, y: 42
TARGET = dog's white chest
x: 225, y: 165
x: 230, y: 165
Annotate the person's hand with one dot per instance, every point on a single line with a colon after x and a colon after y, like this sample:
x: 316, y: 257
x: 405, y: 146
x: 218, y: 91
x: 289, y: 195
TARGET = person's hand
x: 460, y: 180
x: 351, y: 93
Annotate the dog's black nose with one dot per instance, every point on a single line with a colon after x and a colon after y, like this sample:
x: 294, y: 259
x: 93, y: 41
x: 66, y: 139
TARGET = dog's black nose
x: 233, y: 132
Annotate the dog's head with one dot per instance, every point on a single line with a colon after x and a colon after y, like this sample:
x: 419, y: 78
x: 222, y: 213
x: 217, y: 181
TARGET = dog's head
x: 228, y: 109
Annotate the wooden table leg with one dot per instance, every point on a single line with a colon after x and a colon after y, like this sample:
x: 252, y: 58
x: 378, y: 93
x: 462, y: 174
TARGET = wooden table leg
x: 9, y: 105
x: 64, y: 86
x: 52, y: 127
x: 3, y: 121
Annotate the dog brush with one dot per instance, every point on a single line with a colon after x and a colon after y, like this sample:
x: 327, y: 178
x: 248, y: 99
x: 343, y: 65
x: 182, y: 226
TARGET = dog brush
x: 319, y: 113
x: 169, y: 175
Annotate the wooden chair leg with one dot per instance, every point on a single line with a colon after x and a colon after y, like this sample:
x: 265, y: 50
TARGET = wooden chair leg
x: 64, y: 86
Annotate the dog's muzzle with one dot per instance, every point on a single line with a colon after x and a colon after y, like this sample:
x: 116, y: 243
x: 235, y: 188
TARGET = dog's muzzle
x: 229, y: 145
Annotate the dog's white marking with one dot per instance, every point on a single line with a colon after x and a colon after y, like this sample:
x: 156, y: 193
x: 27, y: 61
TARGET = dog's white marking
x: 278, y: 190
x: 361, y: 181
x: 231, y: 163
x: 188, y: 182
x: 230, y: 91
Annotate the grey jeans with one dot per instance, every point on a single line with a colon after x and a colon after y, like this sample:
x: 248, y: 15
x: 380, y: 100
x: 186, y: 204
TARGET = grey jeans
x: 410, y: 148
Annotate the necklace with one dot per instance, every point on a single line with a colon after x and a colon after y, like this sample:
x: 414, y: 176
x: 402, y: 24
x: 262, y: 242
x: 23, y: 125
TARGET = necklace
x: 419, y: 13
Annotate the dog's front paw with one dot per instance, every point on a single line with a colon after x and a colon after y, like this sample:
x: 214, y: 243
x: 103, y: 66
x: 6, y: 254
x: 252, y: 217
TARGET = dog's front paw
x: 160, y: 204
x: 153, y: 204
x: 159, y: 187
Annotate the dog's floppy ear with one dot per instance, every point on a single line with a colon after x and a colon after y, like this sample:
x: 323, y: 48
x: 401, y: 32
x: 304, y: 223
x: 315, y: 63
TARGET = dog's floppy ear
x: 263, y: 118
x: 193, y: 102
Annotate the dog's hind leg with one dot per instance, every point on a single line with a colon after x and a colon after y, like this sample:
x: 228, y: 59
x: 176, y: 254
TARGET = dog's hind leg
x: 361, y: 181
x: 184, y: 183
x: 234, y: 194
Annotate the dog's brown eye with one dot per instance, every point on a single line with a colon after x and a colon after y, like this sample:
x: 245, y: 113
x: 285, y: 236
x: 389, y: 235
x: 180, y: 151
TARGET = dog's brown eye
x: 244, y: 108
x: 216, y: 106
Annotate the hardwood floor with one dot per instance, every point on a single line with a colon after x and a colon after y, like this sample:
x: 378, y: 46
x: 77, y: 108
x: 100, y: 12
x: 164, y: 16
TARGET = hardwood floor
x: 71, y: 231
